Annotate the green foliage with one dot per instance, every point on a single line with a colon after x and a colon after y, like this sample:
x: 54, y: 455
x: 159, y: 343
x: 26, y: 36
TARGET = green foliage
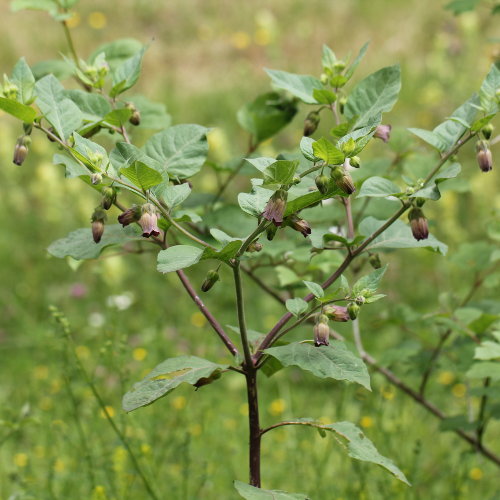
x: 165, y: 377
x: 332, y: 361
x: 301, y: 86
x: 142, y: 175
x: 252, y: 493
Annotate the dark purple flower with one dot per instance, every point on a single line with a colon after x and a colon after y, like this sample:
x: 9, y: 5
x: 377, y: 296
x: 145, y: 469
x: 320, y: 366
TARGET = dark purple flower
x: 132, y: 214
x: 98, y: 219
x: 418, y: 224
x: 483, y: 156
x: 275, y: 207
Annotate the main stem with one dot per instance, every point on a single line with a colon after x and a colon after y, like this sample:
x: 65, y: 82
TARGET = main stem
x: 254, y: 427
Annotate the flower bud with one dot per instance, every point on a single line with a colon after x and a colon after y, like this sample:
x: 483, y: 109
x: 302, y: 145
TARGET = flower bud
x: 323, y: 78
x: 339, y: 66
x: 275, y: 207
x: 210, y: 280
x: 255, y: 246
x: 336, y: 313
x: 355, y: 161
x: 300, y: 225
x: 148, y: 220
x: 108, y: 197
x: 418, y: 224
x: 343, y: 180
x: 96, y: 178
x: 374, y: 261
x: 132, y: 214
x: 271, y: 232
x: 321, y: 331
x: 360, y: 300
x: 353, y: 310
x: 487, y: 130
x: 483, y: 156
x: 135, y: 118
x: 311, y: 123
x: 322, y: 183
x: 342, y: 103
x: 20, y: 153
x: 383, y: 132
x: 98, y: 219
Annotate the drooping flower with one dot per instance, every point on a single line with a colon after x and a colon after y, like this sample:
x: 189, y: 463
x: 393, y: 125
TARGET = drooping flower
x: 311, y: 123
x: 483, y: 156
x: 98, y: 219
x: 418, y: 224
x: 336, y: 313
x: 383, y: 132
x: 148, y: 220
x: 275, y: 207
x: 300, y: 225
x: 321, y: 331
x: 132, y: 214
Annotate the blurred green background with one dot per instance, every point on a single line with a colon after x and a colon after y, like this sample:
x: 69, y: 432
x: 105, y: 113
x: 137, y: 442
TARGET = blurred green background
x: 206, y: 60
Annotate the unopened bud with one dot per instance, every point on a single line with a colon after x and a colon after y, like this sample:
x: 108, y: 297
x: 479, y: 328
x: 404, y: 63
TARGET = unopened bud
x: 418, y: 224
x: 483, y: 156
x: 323, y: 78
x: 343, y: 180
x: 132, y: 214
x: 108, y: 197
x: 98, y: 219
x: 135, y: 118
x: 360, y: 300
x: 383, y: 132
x: 255, y: 246
x: 271, y: 232
x: 336, y: 313
x: 339, y: 66
x: 96, y: 178
x: 296, y: 179
x: 300, y: 225
x: 322, y: 183
x: 342, y: 103
x: 355, y: 161
x: 487, y: 130
x: 311, y: 123
x: 210, y: 280
x: 374, y: 261
x: 353, y: 310
x: 20, y: 153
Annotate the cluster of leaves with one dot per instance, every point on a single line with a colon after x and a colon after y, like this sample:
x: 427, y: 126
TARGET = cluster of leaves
x: 93, y: 126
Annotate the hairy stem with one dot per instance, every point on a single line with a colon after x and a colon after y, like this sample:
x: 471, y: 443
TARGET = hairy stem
x: 255, y: 432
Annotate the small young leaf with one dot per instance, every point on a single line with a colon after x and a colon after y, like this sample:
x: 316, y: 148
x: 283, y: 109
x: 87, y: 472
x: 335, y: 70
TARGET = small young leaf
x: 324, y: 96
x: 141, y: 175
x: 328, y: 57
x: 167, y: 376
x: 306, y: 146
x: 126, y: 75
x: 352, y: 68
x: 325, y: 150
x: 489, y: 88
x: 296, y: 306
x: 23, y: 77
x: 315, y: 289
x: 332, y: 361
x: 280, y: 172
x: 370, y: 282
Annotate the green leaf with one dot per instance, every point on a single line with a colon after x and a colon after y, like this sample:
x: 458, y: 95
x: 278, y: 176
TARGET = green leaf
x: 369, y: 282
x: 153, y: 114
x: 225, y: 254
x: 352, y: 68
x: 181, y: 149
x: 266, y: 115
x: 20, y: 111
x: 60, y: 69
x: 141, y: 175
x: 252, y: 493
x: 73, y: 167
x: 378, y: 187
x: 118, y: 117
x: 309, y: 199
x: 398, y: 235
x: 127, y: 73
x: 301, y: 86
x: 484, y: 369
x: 315, y: 289
x: 173, y: 195
x: 125, y: 154
x: 454, y: 127
x: 49, y: 6
x: 461, y: 6
x: 487, y: 94
x: 332, y: 361
x: 324, y: 96
x: 306, y: 147
x: 79, y: 244
x: 325, y: 150
x: 93, y: 106
x: 167, y: 376
x: 280, y: 172
x: 432, y: 190
x: 260, y: 163
x: 178, y: 257
x: 254, y: 203
x: 23, y: 77
x: 296, y: 306
x: 487, y: 350
x: 374, y: 95
x: 62, y: 113
x: 118, y: 51
x: 328, y: 57
x: 430, y: 138
x: 85, y: 149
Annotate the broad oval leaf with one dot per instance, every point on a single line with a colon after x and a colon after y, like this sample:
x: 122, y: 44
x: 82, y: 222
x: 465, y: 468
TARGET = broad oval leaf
x: 173, y: 195
x: 181, y: 149
x: 326, y: 151
x: 378, y: 187
x: 178, y: 257
x: 301, y: 86
x: 296, y: 306
x: 166, y: 377
x: 141, y: 175
x: 332, y: 361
